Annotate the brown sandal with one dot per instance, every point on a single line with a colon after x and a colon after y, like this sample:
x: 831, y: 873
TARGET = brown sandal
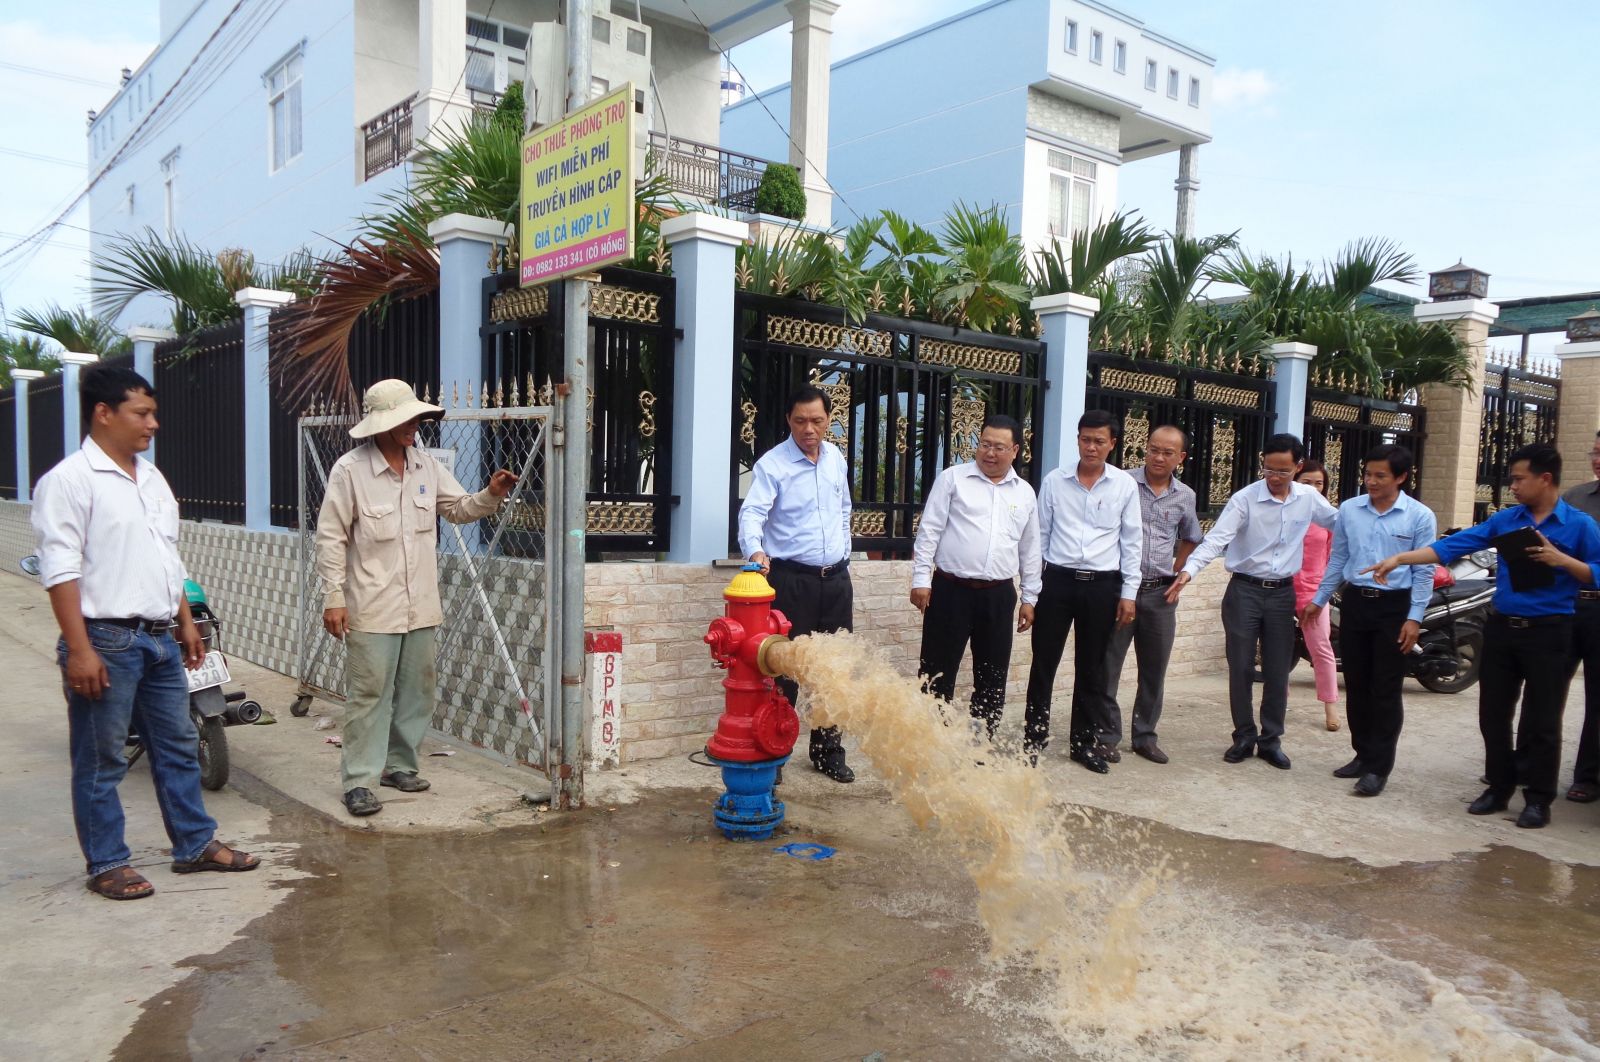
x: 120, y: 883
x: 207, y: 860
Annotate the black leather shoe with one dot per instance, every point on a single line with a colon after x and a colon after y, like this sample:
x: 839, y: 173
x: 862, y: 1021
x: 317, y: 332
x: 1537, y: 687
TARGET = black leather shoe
x: 360, y: 801
x: 1032, y: 751
x: 1350, y: 770
x: 405, y: 781
x: 1274, y: 756
x: 1488, y: 803
x: 1151, y: 751
x: 1108, y: 753
x: 1239, y: 751
x: 1534, y: 817
x: 1370, y: 785
x: 1091, y: 759
x: 835, y: 767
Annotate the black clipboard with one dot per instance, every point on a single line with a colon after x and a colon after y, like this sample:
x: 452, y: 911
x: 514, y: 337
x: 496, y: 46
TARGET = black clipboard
x: 1526, y: 573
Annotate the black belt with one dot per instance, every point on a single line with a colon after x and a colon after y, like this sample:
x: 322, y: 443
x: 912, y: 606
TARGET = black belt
x: 1265, y: 584
x: 1372, y: 591
x: 1159, y: 580
x: 827, y: 571
x: 148, y: 626
x: 975, y: 584
x: 1518, y: 623
x: 1082, y: 575
x: 1589, y: 595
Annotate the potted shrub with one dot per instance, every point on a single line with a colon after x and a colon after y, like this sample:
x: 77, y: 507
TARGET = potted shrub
x: 780, y: 193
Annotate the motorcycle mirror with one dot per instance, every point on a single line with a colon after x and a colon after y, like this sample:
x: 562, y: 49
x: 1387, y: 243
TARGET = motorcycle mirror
x: 30, y: 564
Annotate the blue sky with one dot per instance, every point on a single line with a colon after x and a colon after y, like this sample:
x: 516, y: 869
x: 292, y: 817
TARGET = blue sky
x: 1461, y: 130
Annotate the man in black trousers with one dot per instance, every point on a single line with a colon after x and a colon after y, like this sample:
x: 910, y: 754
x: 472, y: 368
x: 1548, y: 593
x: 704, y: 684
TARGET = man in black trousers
x: 1586, y: 651
x: 979, y: 532
x: 795, y: 523
x: 1091, y: 532
x: 1378, y: 624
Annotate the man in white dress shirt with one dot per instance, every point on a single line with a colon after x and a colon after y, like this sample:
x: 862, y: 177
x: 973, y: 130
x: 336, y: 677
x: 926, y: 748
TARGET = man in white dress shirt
x: 107, y: 527
x: 1263, y: 531
x: 795, y: 523
x: 979, y: 532
x: 1091, y: 531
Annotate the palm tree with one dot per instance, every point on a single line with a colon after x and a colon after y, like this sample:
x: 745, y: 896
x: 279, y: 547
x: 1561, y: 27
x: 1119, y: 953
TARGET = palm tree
x: 24, y: 352
x: 988, y: 280
x: 75, y: 330
x: 1084, y: 267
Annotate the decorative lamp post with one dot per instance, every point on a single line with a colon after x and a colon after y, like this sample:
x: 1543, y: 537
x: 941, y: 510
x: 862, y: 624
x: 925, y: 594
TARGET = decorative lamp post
x: 1460, y: 281
x: 1584, y: 328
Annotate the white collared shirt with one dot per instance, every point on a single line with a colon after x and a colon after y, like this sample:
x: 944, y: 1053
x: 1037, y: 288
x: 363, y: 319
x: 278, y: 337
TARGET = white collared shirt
x: 979, y: 529
x: 116, y: 535
x: 798, y: 509
x: 1264, y: 537
x: 1099, y: 528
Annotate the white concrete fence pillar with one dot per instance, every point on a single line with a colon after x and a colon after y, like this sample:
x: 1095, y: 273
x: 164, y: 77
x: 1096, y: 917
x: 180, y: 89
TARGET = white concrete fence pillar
x: 144, y: 340
x: 810, y: 74
x: 258, y: 304
x: 703, y: 250
x: 1291, y: 375
x: 72, y: 426
x: 22, y: 378
x: 1064, y: 327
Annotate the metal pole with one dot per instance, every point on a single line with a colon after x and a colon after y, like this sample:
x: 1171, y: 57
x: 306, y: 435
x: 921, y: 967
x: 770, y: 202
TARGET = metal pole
x: 575, y: 462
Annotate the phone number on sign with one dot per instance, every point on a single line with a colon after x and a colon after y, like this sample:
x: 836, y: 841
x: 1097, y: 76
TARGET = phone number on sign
x: 588, y: 253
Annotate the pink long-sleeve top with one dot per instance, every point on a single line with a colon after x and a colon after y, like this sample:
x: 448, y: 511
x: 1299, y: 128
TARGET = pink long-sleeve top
x: 1319, y: 543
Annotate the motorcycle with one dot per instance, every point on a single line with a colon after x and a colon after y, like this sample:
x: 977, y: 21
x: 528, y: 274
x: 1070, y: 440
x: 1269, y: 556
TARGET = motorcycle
x: 1449, y: 648
x: 211, y: 709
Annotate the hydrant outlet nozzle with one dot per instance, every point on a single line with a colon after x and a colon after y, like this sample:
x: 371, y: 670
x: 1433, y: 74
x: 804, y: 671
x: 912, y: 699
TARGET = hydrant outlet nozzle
x: 764, y: 660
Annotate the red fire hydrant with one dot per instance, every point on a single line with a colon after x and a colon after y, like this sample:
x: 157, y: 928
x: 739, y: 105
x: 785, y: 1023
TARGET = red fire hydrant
x: 759, y: 726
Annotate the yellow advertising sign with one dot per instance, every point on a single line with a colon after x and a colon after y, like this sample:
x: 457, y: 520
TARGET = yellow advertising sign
x: 577, y: 191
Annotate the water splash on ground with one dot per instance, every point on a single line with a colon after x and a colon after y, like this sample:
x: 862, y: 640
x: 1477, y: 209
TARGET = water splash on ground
x: 1124, y: 960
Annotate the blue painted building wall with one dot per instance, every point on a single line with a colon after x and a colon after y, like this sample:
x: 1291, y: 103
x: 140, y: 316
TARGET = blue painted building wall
x: 890, y: 148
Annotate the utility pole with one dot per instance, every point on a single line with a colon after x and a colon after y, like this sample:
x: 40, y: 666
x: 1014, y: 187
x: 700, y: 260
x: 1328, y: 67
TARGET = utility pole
x: 575, y: 461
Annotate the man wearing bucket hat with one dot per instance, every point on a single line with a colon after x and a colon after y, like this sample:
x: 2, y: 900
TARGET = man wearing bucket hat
x: 376, y: 555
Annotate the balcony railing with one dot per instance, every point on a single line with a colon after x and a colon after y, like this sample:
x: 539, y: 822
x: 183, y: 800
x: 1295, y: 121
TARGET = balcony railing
x: 723, y: 178
x: 387, y: 138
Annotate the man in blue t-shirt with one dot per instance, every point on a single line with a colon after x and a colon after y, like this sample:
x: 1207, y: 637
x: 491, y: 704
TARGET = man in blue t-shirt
x: 1528, y: 641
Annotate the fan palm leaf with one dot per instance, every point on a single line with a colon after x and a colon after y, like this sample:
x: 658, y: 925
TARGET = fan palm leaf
x: 76, y: 330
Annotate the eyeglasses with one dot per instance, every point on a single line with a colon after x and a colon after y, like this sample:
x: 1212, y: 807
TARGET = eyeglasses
x: 996, y: 448
x: 1163, y: 453
x: 1277, y: 473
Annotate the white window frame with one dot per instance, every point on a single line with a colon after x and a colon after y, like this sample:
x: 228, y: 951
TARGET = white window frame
x: 169, y: 191
x: 1081, y: 175
x: 1194, y: 92
x: 291, y: 96
x: 508, y: 59
x: 1119, y: 57
x: 1152, y: 74
x: 1172, y: 82
x: 1069, y: 41
x: 1097, y: 46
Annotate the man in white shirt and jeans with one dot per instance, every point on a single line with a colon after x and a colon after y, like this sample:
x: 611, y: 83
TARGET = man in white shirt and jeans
x: 979, y: 532
x: 1263, y: 531
x: 1092, y: 533
x: 107, y: 528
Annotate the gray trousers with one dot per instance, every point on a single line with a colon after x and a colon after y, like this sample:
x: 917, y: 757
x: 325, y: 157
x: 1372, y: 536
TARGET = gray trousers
x: 1253, y: 614
x: 1155, y: 624
x: 390, y: 680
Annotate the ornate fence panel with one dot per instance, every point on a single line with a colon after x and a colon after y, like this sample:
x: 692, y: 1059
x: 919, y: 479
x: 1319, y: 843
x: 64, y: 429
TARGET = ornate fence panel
x: 44, y: 426
x: 1228, y: 415
x: 1519, y: 407
x: 909, y: 398
x: 1342, y: 428
x: 8, y: 444
x: 200, y: 385
x: 632, y: 340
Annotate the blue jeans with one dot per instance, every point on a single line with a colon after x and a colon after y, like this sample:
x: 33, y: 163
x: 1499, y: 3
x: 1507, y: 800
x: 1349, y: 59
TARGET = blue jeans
x: 147, y: 687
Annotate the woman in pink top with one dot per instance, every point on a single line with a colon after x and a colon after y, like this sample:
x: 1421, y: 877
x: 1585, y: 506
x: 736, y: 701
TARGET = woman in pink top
x: 1319, y: 541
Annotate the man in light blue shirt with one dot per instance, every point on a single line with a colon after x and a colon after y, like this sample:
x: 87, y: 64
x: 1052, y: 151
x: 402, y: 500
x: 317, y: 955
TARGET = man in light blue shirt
x: 1378, y: 623
x: 795, y: 523
x: 1263, y: 530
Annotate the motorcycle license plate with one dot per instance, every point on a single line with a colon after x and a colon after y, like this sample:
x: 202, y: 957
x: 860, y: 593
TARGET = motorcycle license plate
x: 213, y: 671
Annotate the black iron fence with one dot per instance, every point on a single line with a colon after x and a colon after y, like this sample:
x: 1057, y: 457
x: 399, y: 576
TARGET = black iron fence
x: 1227, y: 411
x: 386, y: 139
x: 45, y: 443
x: 1519, y: 407
x: 8, y: 444
x: 908, y: 399
x: 705, y: 172
x: 200, y: 386
x: 632, y: 340
x: 1341, y: 429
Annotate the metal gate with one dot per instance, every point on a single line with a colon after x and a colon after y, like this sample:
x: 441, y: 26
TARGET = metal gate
x: 1519, y: 407
x: 499, y: 673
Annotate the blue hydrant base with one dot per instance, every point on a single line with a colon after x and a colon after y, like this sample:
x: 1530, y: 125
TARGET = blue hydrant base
x: 747, y: 812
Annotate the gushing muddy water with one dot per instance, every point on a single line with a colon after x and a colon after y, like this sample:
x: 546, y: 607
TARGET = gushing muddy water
x: 1129, y: 959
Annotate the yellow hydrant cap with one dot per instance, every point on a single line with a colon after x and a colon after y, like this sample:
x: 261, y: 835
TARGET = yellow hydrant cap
x: 749, y: 585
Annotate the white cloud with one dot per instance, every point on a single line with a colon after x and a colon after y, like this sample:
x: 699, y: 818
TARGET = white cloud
x: 1234, y: 87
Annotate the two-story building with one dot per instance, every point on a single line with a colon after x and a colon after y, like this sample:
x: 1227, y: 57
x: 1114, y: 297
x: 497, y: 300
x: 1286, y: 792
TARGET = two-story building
x: 271, y: 125
x: 1031, y: 104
